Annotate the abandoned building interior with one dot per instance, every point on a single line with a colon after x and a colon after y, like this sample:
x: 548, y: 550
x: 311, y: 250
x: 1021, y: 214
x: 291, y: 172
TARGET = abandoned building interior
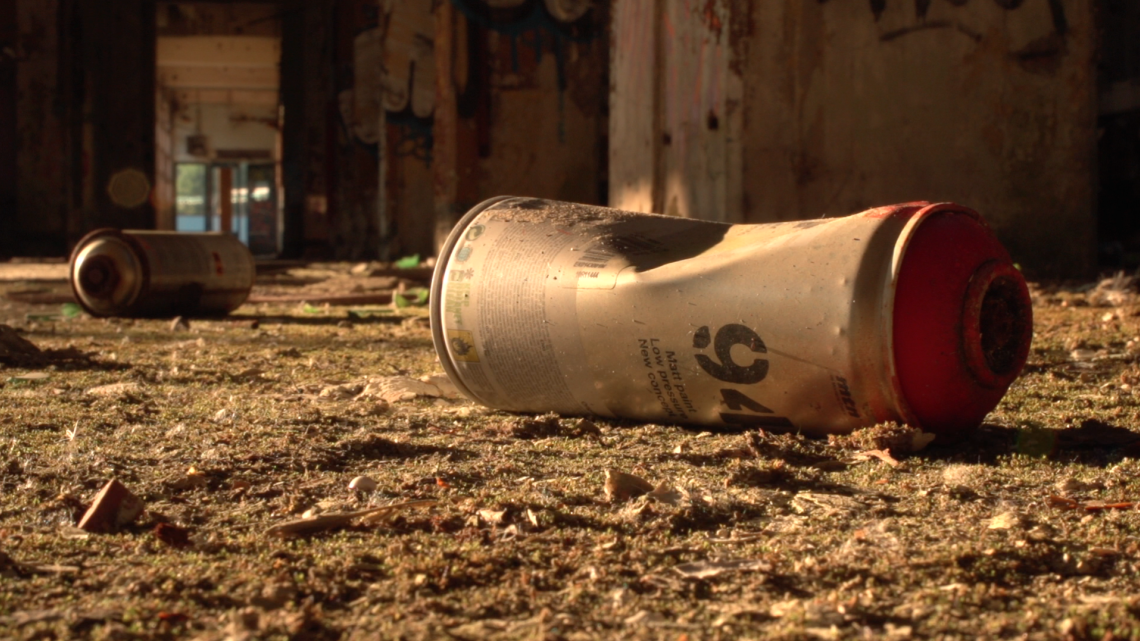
x: 367, y: 407
x: 355, y: 129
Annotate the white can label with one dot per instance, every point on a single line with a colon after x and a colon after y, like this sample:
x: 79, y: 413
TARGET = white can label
x: 673, y: 320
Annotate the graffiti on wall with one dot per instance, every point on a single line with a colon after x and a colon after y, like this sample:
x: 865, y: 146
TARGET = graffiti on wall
x: 395, y: 61
x: 1040, y: 55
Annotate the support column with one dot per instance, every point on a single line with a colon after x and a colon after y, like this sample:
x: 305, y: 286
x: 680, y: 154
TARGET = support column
x: 8, y: 37
x: 119, y: 61
x: 226, y: 199
x: 444, y: 131
x: 293, y: 129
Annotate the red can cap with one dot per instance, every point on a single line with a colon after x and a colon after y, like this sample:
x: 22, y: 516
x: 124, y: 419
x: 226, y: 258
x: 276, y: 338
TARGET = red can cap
x: 963, y: 320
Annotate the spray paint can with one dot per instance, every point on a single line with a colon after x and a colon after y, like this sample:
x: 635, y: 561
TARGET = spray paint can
x: 912, y: 313
x: 157, y: 273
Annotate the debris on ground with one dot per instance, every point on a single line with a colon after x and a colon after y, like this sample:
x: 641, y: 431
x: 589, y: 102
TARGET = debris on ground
x: 337, y: 520
x: 17, y: 350
x: 883, y: 455
x: 395, y: 389
x: 1026, y: 527
x: 621, y: 487
x: 114, y: 507
x: 710, y: 569
x: 365, y: 484
x: 126, y: 389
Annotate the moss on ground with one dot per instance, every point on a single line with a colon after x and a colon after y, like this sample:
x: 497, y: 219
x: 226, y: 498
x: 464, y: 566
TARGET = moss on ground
x: 225, y: 430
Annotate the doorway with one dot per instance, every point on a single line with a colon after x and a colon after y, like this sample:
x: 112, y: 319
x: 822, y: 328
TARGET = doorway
x: 218, y: 130
x: 1118, y: 135
x: 202, y: 188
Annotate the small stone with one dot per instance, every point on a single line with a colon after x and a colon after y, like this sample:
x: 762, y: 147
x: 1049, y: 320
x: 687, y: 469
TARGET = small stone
x: 179, y: 324
x: 114, y: 507
x: 363, y: 484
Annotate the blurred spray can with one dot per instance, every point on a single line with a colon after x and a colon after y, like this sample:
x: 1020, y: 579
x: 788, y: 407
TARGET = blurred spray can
x: 912, y: 313
x: 157, y: 273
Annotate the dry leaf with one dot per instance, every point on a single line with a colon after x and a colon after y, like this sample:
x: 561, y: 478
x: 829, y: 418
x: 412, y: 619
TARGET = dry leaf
x: 667, y: 494
x: 882, y: 455
x: 493, y: 517
x: 622, y: 487
x: 532, y: 517
x: 325, y: 522
x: 386, y: 514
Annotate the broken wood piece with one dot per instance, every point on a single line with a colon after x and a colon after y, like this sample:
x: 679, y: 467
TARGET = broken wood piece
x: 379, y: 298
x: 882, y: 455
x: 326, y: 522
x: 1089, y: 506
x: 40, y: 297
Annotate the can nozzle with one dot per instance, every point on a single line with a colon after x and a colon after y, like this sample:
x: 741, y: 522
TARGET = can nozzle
x: 963, y: 321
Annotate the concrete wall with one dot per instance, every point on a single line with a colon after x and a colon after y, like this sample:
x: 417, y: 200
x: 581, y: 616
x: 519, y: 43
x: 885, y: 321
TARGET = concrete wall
x: 844, y: 104
x: 993, y: 108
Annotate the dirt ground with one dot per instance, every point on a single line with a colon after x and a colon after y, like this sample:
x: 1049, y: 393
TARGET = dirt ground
x: 230, y: 431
